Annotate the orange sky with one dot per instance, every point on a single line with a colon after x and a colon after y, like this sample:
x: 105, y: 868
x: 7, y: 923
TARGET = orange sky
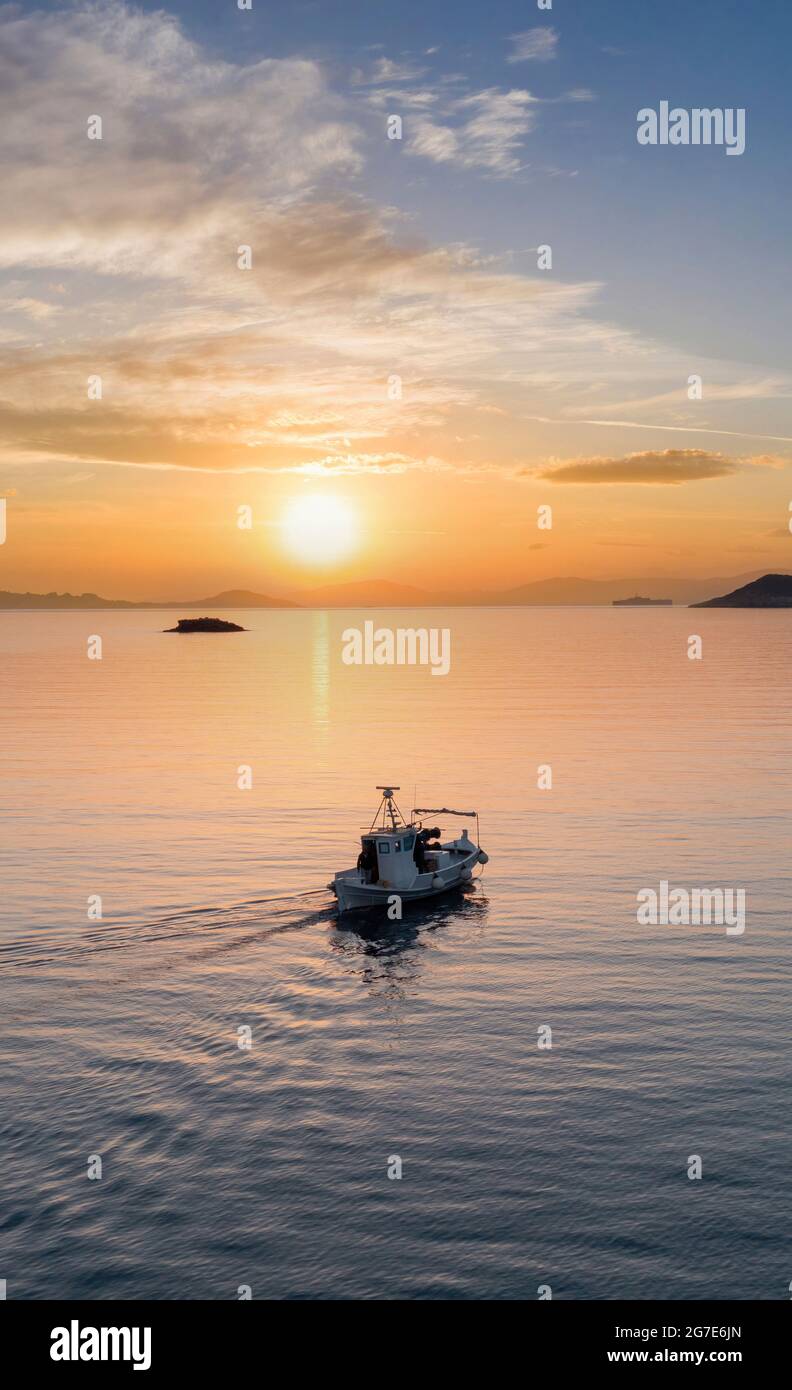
x: 140, y: 534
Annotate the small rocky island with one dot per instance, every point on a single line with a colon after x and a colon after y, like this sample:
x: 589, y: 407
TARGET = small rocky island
x: 771, y: 591
x: 205, y: 625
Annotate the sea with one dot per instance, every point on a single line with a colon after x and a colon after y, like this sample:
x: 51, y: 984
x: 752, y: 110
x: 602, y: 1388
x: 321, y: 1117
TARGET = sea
x: 211, y: 1087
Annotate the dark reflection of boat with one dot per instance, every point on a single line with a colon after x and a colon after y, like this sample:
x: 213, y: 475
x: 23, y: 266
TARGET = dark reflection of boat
x: 388, y: 956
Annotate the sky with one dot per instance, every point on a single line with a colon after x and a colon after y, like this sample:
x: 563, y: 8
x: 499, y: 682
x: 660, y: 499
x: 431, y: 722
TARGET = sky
x: 392, y: 381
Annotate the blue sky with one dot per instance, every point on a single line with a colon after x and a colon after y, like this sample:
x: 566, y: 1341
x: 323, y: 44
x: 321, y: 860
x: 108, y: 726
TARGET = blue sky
x: 664, y: 232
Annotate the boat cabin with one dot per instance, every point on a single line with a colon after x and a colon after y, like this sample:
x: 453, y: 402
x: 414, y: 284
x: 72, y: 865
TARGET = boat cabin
x: 388, y: 857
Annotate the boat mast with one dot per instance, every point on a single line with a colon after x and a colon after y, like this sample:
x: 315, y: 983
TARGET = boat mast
x: 388, y: 807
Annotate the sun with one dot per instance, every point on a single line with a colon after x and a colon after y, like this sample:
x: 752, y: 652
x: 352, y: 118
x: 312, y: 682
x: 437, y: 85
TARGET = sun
x: 319, y: 529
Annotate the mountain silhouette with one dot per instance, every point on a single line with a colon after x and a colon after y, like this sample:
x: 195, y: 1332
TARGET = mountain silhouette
x: 386, y: 593
x: 771, y: 591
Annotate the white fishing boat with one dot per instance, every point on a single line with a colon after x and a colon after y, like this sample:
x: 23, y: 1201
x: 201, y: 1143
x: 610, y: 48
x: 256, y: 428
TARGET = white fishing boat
x: 402, y: 859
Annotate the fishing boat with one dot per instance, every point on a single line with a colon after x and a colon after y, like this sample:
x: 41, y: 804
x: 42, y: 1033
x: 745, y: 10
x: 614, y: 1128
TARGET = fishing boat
x: 403, y: 859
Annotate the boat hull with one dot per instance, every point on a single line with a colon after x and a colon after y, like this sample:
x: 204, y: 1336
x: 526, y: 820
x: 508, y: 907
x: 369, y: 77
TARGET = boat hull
x: 353, y: 899
x: 355, y: 895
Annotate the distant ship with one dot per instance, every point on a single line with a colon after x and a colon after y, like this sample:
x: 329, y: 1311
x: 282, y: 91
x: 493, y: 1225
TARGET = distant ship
x: 639, y: 602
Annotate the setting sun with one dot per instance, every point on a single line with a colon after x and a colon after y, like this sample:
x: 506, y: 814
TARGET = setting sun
x: 319, y: 530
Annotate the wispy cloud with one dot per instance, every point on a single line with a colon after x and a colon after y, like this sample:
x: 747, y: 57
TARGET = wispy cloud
x: 36, y: 309
x: 345, y: 464
x: 537, y: 45
x: 489, y: 130
x: 752, y: 389
x: 655, y: 427
x: 386, y: 71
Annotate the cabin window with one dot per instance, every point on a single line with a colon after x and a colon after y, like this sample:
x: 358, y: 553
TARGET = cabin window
x: 384, y: 849
x: 408, y: 843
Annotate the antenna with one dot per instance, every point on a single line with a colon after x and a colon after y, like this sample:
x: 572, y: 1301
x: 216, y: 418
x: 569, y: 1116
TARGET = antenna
x: 389, y: 808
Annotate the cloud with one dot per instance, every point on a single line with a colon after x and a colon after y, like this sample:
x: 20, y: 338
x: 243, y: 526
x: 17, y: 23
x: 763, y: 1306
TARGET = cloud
x: 346, y: 464
x: 757, y: 389
x: 285, y: 366
x: 654, y: 427
x: 437, y: 142
x: 537, y: 45
x: 474, y: 129
x: 186, y: 141
x: 491, y: 126
x: 385, y: 70
x: 774, y: 461
x: 667, y: 466
x: 36, y: 309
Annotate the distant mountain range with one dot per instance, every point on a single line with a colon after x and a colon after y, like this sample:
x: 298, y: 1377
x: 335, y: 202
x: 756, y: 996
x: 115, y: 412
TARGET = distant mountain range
x: 771, y: 591
x: 230, y: 598
x: 383, y: 593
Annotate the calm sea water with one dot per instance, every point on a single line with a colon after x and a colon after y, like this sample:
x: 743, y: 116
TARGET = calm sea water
x: 268, y: 1167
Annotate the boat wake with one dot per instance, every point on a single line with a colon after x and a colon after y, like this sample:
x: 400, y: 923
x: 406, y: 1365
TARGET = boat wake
x: 51, y: 948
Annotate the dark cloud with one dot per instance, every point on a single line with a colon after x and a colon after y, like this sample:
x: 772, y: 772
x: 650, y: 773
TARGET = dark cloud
x: 664, y: 466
